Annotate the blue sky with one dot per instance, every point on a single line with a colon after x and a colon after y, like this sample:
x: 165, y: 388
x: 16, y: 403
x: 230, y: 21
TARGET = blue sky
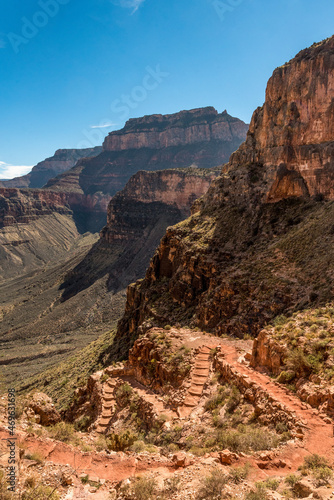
x: 73, y: 70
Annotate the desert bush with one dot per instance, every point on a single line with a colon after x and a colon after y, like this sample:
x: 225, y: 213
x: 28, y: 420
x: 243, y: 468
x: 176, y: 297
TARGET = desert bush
x: 323, y: 475
x: 212, y: 487
x: 260, y: 492
x: 216, y: 400
x: 272, y: 484
x: 315, y: 461
x: 138, y: 446
x: 291, y: 480
x: 83, y: 423
x: 239, y: 474
x: 145, y: 489
x: 40, y: 492
x: 36, y: 456
x: 121, y: 442
x: 171, y: 486
x: 124, y: 393
x: 4, y: 493
x: 298, y: 361
x: 233, y: 400
x: 286, y: 376
x: 63, y: 431
x: 247, y: 438
x: 101, y: 443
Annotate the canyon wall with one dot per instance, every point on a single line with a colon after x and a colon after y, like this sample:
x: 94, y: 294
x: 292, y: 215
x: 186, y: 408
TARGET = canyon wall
x: 200, y: 137
x: 258, y: 241
x: 179, y: 129
x: 150, y: 197
x: 62, y: 160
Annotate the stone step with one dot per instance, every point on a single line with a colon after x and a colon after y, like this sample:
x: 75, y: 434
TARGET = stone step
x: 202, y: 364
x: 103, y: 424
x: 202, y: 372
x: 191, y: 401
x: 108, y: 391
x: 108, y: 397
x: 196, y: 390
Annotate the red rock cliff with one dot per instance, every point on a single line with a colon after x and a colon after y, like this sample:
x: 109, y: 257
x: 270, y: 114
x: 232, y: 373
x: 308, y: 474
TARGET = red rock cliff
x: 239, y: 260
x: 184, y: 128
x: 291, y: 136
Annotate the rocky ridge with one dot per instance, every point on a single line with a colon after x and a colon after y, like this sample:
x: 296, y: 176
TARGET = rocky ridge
x: 200, y: 137
x: 62, y: 160
x: 244, y: 255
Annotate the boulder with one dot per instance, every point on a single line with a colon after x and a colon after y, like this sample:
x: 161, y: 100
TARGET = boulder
x: 41, y: 406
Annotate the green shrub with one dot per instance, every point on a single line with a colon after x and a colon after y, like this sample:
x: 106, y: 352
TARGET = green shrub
x: 247, y: 438
x: 239, y: 474
x: 286, y: 376
x: 291, y: 480
x: 233, y: 401
x: 171, y: 486
x: 40, y: 492
x: 280, y: 320
x: 315, y: 462
x: 216, y: 400
x: 121, y: 442
x: 272, y: 484
x: 83, y: 423
x: 323, y: 475
x: 4, y: 493
x: 260, y: 492
x: 138, y: 446
x: 213, y: 485
x: 297, y: 361
x: 145, y: 489
x: 62, y: 432
x: 36, y: 456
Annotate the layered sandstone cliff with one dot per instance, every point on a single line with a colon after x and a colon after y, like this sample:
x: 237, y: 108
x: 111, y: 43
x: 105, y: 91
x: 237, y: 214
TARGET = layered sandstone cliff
x: 240, y: 260
x: 180, y: 129
x: 150, y: 197
x: 21, y: 206
x: 200, y: 137
x: 62, y: 160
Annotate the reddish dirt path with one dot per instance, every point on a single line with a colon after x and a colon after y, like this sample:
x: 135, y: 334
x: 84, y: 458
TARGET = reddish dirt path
x: 318, y: 437
x: 114, y: 467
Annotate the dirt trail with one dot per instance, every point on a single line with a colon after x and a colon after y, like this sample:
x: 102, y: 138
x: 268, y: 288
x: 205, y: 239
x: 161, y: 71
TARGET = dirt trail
x: 113, y: 467
x: 318, y: 433
x: 318, y: 436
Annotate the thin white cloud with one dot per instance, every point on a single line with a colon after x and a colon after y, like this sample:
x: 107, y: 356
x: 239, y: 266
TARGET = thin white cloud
x: 104, y: 125
x: 10, y: 171
x: 130, y: 4
x: 2, y: 44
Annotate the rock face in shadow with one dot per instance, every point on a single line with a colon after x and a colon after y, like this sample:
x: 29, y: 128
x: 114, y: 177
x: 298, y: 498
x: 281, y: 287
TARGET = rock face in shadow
x: 152, y: 196
x: 200, y: 137
x: 260, y: 241
x: 137, y: 219
x: 62, y: 160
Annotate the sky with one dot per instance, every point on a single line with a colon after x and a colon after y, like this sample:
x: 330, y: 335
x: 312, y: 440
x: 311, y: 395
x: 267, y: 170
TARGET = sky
x: 74, y: 70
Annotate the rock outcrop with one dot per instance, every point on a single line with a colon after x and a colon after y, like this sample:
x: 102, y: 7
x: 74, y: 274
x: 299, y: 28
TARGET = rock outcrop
x: 23, y: 206
x: 202, y: 125
x: 18, y: 206
x: 155, y: 199
x: 258, y: 241
x: 291, y: 136
x: 62, y: 160
x: 200, y: 137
